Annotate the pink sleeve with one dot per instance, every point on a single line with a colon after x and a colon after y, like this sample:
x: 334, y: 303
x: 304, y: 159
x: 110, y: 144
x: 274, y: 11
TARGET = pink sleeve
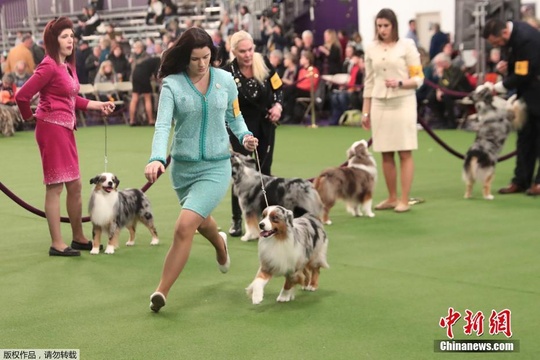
x: 81, y: 103
x: 31, y: 87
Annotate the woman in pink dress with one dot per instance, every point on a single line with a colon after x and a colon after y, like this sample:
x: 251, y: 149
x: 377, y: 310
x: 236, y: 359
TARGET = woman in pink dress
x: 55, y: 79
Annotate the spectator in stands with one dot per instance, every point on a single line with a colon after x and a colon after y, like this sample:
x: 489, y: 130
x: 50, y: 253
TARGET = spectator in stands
x: 246, y: 20
x: 170, y: 15
x: 173, y: 28
x: 88, y: 23
x: 120, y: 64
x: 438, y: 40
x: 38, y: 51
x: 20, y: 75
x: 222, y: 57
x: 443, y: 101
x: 290, y: 61
x: 142, y: 77
x: 92, y: 63
x: 412, y: 34
x: 356, y: 41
x: 154, y: 13
x: 343, y: 38
x: 105, y: 45
x: 21, y: 52
x: 260, y: 98
x: 82, y: 53
x: 226, y: 26
x: 307, y: 41
x: 138, y: 54
x: 347, y: 64
x: 308, y: 80
x: 150, y: 46
x: 8, y: 90
x: 111, y: 33
x: 97, y: 4
x: 276, y: 41
x: 55, y: 79
x: 106, y: 74
x: 348, y: 96
x: 329, y: 54
x: 276, y: 59
x: 297, y: 45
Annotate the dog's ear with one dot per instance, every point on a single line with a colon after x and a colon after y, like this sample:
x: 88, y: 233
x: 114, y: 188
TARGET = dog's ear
x: 94, y: 180
x: 289, y: 217
x: 116, y: 181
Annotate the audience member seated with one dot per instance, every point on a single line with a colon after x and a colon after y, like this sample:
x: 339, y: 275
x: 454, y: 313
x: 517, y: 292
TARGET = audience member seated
x: 173, y: 28
x: 120, y: 63
x: 38, y: 51
x: 222, y: 58
x: 276, y: 59
x: 82, y: 53
x: 441, y: 102
x: 155, y: 13
x: 308, y: 79
x: 348, y: 96
x: 8, y: 90
x: 91, y: 64
x: 21, y: 52
x: 20, y: 75
x: 138, y: 54
x: 289, y: 79
x: 88, y: 22
x: 106, y: 74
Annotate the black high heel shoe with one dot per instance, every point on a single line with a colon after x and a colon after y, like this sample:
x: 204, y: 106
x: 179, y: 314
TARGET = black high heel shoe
x: 236, y: 228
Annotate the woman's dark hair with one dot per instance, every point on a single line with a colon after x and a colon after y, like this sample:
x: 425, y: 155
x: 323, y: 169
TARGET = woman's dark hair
x: 177, y: 58
x: 389, y: 15
x: 52, y: 31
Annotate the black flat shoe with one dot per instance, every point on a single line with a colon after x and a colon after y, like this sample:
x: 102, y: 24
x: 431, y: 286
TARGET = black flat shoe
x: 80, y: 246
x: 67, y: 252
x: 236, y: 228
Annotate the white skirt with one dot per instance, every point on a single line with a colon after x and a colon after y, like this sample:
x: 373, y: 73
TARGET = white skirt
x: 393, y: 123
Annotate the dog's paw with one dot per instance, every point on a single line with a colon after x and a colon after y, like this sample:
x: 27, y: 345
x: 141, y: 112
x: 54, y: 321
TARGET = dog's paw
x: 130, y: 243
x: 256, y: 299
x: 109, y: 250
x: 94, y: 251
x: 370, y: 214
x: 489, y: 197
x: 309, y: 288
x: 328, y: 222
x: 285, y: 296
x: 155, y: 241
x: 249, y: 237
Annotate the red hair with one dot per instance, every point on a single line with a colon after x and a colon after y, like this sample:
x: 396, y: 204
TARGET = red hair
x: 52, y: 31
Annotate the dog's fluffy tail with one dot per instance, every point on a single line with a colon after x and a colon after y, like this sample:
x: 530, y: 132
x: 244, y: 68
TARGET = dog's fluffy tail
x: 517, y: 111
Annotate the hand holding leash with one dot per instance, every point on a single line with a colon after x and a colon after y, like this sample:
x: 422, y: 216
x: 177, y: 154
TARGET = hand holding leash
x: 153, y: 170
x: 250, y: 142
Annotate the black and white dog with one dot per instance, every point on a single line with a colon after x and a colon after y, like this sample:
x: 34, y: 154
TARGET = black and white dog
x: 495, y: 117
x: 111, y: 210
x: 295, y: 194
x: 291, y: 247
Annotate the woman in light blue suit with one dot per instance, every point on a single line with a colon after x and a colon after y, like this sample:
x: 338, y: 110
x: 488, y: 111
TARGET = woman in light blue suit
x: 202, y: 101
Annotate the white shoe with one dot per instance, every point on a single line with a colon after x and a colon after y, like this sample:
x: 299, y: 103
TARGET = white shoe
x: 225, y: 267
x: 157, y: 301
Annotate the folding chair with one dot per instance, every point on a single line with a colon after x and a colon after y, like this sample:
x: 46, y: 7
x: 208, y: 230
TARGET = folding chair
x: 87, y: 91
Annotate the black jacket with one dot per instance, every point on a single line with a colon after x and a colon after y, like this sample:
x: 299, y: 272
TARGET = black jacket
x: 523, y: 51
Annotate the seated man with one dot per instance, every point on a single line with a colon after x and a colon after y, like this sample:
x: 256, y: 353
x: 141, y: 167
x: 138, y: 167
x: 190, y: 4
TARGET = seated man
x: 451, y: 78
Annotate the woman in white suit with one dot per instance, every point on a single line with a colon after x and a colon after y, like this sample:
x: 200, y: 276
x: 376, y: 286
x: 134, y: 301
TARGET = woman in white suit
x: 393, y: 73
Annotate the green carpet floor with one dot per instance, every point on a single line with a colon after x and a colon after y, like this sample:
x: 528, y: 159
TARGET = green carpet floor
x: 391, y: 279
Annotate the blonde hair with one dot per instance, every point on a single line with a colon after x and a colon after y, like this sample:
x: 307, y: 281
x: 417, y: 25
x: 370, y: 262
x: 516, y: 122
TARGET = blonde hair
x: 260, y: 70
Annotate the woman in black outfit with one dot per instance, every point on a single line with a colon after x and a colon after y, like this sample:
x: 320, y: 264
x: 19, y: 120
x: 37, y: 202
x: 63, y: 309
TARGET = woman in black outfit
x: 260, y: 98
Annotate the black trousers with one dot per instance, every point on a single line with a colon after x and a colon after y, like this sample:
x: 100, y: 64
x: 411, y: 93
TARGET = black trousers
x: 265, y: 149
x: 528, y: 152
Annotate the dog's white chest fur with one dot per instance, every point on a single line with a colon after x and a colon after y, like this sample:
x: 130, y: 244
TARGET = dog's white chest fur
x: 104, y: 210
x: 281, y: 257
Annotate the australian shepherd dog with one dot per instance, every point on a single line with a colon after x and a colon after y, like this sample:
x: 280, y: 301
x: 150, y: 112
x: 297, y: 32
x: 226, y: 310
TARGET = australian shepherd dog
x: 291, y: 247
x: 495, y: 117
x: 296, y: 194
x: 353, y: 183
x: 111, y: 210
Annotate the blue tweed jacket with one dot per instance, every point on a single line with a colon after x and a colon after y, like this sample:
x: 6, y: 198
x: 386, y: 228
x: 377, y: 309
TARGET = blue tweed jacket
x: 199, y: 120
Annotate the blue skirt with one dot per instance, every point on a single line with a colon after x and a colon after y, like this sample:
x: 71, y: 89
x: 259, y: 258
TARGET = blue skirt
x: 200, y: 185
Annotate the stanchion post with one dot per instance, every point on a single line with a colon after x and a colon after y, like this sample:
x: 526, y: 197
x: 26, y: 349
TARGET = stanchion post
x: 312, y: 76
